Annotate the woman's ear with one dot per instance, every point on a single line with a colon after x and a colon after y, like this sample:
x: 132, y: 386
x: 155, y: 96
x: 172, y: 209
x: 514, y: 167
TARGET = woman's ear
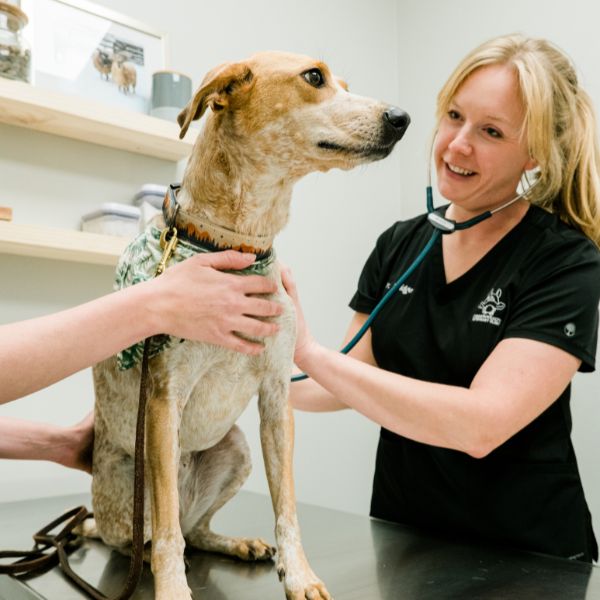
x: 531, y: 164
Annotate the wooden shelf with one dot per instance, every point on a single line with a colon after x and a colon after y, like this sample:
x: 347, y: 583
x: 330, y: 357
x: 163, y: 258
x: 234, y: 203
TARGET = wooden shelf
x: 61, y: 244
x: 82, y: 119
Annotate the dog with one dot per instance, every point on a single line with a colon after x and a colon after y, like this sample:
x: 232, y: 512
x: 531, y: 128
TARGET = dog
x: 271, y: 120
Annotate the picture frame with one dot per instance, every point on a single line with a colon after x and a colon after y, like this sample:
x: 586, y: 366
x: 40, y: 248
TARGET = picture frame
x: 88, y: 50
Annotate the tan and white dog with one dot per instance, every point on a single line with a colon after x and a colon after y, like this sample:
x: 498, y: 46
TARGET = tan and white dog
x: 274, y: 118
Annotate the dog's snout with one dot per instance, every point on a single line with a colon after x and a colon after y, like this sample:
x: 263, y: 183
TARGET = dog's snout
x: 398, y: 119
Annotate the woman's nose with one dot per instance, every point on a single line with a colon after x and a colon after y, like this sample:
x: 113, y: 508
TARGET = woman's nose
x: 461, y: 141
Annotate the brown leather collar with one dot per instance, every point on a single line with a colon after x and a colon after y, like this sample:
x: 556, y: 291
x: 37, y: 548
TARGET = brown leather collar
x: 201, y: 232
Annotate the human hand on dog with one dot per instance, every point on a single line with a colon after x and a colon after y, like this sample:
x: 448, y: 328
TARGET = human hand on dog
x: 201, y: 302
x: 69, y: 446
x: 304, y: 339
x: 79, y: 446
x: 193, y: 300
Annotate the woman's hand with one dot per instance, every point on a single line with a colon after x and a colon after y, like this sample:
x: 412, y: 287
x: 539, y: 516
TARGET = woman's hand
x: 198, y: 301
x: 305, y: 342
x: 79, y: 445
x: 193, y: 300
x: 29, y: 440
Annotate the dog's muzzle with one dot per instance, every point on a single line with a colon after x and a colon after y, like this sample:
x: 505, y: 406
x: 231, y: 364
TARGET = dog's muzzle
x: 396, y: 121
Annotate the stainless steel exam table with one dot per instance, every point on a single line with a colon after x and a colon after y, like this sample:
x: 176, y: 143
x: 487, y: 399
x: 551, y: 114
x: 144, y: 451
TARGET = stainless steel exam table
x: 357, y: 557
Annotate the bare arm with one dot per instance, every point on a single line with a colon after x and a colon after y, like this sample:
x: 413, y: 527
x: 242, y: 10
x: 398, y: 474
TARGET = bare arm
x: 192, y: 300
x: 518, y: 381
x: 310, y: 396
x: 68, y: 446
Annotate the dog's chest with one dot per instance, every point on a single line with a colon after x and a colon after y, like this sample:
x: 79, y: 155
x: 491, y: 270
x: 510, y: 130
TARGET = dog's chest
x: 216, y: 401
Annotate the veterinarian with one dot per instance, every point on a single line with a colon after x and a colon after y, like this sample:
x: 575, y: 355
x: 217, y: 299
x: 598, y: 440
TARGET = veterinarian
x: 468, y: 370
x: 193, y: 300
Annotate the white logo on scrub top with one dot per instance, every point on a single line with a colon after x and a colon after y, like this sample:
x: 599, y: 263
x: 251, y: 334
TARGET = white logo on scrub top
x: 489, y: 307
x: 403, y: 289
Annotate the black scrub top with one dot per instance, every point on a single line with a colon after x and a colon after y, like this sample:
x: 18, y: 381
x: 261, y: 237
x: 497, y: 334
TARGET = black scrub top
x: 541, y: 282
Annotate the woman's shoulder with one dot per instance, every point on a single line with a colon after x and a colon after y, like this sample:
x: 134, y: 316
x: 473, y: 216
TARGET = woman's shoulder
x: 405, y: 230
x: 553, y: 253
x: 558, y: 240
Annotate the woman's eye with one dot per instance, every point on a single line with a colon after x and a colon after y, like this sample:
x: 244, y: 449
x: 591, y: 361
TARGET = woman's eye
x: 314, y: 77
x: 493, y: 132
x: 453, y: 115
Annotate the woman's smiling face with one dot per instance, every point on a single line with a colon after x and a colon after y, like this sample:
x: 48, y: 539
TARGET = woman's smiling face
x: 479, y: 152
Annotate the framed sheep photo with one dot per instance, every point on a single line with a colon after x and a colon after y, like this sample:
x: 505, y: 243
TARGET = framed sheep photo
x: 88, y: 50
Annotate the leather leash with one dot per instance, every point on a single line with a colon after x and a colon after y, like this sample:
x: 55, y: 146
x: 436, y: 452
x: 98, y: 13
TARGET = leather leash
x: 50, y: 550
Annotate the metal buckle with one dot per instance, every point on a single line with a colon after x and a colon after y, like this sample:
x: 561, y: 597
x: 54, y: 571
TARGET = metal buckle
x: 168, y: 244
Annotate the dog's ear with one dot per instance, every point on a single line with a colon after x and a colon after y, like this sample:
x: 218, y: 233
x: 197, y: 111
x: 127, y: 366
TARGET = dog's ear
x: 342, y: 83
x: 218, y: 90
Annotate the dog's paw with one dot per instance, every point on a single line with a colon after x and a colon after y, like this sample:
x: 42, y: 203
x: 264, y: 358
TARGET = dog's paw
x: 315, y: 590
x: 87, y: 529
x: 253, y: 549
x: 249, y: 549
x: 301, y: 583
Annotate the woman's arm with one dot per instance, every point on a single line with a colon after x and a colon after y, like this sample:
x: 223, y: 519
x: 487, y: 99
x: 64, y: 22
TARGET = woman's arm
x: 308, y: 394
x: 192, y: 300
x: 68, y: 446
x: 518, y: 381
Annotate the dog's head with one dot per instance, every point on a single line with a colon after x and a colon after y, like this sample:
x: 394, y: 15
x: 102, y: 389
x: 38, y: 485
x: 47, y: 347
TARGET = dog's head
x: 292, y: 109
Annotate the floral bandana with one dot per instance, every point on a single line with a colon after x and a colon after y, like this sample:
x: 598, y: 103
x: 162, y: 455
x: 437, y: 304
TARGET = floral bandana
x: 138, y: 263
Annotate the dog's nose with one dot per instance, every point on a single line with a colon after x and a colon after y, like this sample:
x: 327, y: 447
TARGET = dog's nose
x: 398, y: 119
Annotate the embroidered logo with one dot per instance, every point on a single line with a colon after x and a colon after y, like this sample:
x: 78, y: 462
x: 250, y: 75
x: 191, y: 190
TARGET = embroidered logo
x: 489, y: 307
x: 570, y: 329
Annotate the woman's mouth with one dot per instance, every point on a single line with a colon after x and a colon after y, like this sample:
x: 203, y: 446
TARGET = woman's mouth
x: 459, y: 170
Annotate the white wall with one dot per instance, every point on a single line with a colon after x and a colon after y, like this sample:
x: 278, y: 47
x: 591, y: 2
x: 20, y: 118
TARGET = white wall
x: 335, y: 220
x: 433, y: 37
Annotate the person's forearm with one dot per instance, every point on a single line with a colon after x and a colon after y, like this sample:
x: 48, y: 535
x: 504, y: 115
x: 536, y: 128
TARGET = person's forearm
x: 431, y: 413
x: 21, y: 439
x: 308, y: 395
x: 41, y: 351
x: 435, y: 414
x: 518, y: 381
x: 192, y: 300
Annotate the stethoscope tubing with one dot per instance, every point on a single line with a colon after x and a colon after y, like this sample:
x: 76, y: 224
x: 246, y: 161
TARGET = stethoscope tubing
x: 441, y: 225
x: 361, y: 332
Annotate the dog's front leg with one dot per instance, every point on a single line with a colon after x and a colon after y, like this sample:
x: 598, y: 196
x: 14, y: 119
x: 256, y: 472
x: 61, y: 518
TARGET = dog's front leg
x: 277, y: 439
x: 163, y: 459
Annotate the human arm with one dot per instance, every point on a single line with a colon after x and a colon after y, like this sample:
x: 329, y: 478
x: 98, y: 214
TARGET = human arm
x: 517, y: 382
x: 69, y: 446
x: 309, y: 395
x: 192, y: 300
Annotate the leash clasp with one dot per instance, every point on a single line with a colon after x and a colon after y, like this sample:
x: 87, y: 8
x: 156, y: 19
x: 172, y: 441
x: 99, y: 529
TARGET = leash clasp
x: 168, y: 242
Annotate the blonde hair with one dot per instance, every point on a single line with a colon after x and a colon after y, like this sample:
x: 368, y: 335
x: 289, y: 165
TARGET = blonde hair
x: 559, y: 125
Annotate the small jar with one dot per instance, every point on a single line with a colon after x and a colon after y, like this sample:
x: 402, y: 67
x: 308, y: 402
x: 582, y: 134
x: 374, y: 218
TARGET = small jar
x: 171, y: 91
x: 15, y: 54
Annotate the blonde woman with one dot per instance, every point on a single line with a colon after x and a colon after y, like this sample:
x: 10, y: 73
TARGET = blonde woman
x: 469, y: 374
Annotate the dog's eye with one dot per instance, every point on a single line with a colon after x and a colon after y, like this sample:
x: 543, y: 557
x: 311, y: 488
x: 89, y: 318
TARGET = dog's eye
x: 314, y: 77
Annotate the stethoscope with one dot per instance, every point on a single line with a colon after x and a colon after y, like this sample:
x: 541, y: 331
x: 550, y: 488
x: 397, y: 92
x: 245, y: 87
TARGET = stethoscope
x: 441, y: 225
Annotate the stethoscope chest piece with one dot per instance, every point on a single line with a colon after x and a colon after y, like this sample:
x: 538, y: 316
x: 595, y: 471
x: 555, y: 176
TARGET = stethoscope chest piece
x: 441, y: 223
